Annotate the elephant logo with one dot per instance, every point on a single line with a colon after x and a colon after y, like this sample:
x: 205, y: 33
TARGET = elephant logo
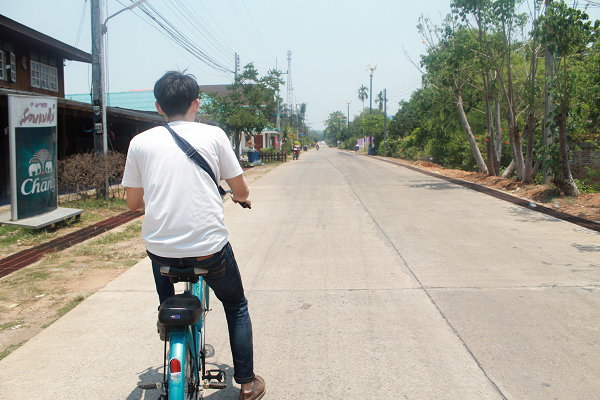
x: 35, y: 169
x: 40, y: 163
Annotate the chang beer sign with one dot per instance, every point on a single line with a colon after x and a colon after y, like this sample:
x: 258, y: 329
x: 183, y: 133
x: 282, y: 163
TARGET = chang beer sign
x: 32, y: 123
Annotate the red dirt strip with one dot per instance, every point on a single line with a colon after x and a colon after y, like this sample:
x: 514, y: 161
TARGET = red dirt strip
x: 24, y: 258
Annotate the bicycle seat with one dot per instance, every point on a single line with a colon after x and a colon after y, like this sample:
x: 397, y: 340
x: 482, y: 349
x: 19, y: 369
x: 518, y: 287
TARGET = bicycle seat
x: 180, y: 310
x: 179, y: 274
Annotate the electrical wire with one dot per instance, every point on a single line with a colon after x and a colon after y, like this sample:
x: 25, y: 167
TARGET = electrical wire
x: 217, y: 26
x: 179, y: 38
x: 195, y: 24
x: 257, y: 30
x: 81, y: 23
x: 171, y: 32
x: 248, y: 31
x: 176, y: 48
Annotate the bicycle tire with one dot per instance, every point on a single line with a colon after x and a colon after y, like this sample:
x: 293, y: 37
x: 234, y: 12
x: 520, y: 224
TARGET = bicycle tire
x: 191, y: 385
x: 182, y: 385
x: 204, y: 298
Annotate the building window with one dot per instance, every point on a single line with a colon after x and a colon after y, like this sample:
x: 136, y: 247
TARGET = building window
x: 2, y: 68
x: 53, y: 78
x: 44, y: 76
x: 13, y: 67
x: 35, y: 74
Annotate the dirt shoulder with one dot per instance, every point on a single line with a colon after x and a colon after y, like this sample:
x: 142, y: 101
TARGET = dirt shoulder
x: 33, y: 298
x: 585, y: 206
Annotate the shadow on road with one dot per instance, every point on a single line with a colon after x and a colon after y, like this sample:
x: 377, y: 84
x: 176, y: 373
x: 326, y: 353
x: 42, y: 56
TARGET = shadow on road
x: 150, y: 375
x: 231, y: 392
x: 587, y: 248
x: 529, y: 215
x: 155, y: 374
x: 436, y: 186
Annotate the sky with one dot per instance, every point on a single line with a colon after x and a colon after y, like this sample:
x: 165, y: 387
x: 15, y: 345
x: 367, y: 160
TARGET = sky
x: 332, y: 42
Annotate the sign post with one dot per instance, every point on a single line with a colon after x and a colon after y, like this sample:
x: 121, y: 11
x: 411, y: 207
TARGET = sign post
x: 33, y: 159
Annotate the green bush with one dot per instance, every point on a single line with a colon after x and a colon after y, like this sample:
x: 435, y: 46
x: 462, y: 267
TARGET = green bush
x: 267, y: 150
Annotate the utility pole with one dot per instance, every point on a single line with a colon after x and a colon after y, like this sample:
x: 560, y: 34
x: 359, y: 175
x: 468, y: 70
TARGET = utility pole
x: 237, y: 64
x: 348, y: 103
x: 97, y: 76
x: 98, y: 79
x: 385, y: 121
x: 548, y: 136
x: 290, y: 89
x: 98, y: 89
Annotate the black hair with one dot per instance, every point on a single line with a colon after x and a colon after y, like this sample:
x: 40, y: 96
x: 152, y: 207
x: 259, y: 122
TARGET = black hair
x: 175, y: 92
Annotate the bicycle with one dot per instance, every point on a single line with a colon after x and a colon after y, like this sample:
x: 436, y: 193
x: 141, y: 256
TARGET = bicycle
x: 181, y: 320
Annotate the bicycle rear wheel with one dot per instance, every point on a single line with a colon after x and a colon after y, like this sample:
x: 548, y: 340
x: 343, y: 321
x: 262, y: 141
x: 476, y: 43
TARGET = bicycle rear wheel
x: 183, y: 374
x: 204, y: 298
x: 191, y: 378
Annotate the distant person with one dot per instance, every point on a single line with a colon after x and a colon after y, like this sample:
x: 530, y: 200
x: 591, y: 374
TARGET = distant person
x: 184, y: 223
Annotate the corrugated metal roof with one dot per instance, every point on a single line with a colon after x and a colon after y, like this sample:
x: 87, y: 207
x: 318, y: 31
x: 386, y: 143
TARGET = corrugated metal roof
x: 141, y: 100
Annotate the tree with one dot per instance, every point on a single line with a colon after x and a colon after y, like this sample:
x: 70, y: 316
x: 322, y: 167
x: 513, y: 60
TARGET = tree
x: 379, y: 100
x: 363, y: 95
x: 336, y: 127
x: 514, y: 67
x: 372, y: 125
x: 448, y: 60
x: 250, y: 105
x: 567, y: 32
x: 407, y: 117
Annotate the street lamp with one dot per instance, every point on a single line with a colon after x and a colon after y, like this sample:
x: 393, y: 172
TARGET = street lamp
x: 348, y: 103
x: 98, y: 76
x: 372, y: 69
x: 103, y: 73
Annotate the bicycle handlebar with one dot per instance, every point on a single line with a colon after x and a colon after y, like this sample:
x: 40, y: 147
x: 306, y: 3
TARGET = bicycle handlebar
x: 243, y: 204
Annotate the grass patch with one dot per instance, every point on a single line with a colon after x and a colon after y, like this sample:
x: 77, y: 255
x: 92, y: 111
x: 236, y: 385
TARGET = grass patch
x: 70, y: 305
x: 101, y: 247
x: 9, y: 325
x: 10, y: 349
x: 15, y: 238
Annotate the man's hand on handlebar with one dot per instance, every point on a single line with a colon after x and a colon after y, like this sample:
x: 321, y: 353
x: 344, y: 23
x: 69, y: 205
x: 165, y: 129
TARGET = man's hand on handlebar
x: 245, y: 203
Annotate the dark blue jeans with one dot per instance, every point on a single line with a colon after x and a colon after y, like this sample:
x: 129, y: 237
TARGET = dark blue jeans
x: 225, y: 281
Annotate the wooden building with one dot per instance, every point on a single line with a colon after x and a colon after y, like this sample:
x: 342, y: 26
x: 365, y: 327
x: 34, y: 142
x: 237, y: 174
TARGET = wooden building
x: 32, y: 63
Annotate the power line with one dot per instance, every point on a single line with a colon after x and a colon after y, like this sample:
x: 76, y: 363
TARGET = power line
x: 81, y: 23
x: 197, y: 25
x: 248, y: 31
x: 157, y: 27
x: 174, y: 34
x: 257, y: 30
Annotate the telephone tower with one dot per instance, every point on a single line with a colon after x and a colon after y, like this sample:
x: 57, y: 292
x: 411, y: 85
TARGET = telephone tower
x: 290, y: 88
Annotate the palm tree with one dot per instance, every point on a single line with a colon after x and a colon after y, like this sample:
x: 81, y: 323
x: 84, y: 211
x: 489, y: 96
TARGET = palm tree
x: 379, y: 100
x: 362, y: 94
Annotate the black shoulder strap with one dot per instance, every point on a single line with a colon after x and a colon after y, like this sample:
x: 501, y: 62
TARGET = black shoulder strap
x: 193, y: 154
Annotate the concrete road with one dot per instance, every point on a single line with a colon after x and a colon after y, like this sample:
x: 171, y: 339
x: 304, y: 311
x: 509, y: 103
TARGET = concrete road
x: 365, y: 280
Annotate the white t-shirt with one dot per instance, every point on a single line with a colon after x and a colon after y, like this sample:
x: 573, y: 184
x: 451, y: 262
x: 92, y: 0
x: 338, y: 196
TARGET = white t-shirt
x: 184, y: 211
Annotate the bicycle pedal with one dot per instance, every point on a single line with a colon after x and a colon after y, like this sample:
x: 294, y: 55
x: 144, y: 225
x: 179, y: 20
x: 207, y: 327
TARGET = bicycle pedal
x: 215, y: 385
x: 215, y: 374
x: 150, y: 386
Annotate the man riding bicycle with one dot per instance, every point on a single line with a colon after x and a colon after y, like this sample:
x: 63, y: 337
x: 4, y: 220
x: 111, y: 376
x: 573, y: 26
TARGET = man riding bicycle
x: 184, y: 214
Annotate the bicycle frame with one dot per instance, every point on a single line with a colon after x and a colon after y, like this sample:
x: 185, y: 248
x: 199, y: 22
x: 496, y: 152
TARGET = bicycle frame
x: 182, y: 338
